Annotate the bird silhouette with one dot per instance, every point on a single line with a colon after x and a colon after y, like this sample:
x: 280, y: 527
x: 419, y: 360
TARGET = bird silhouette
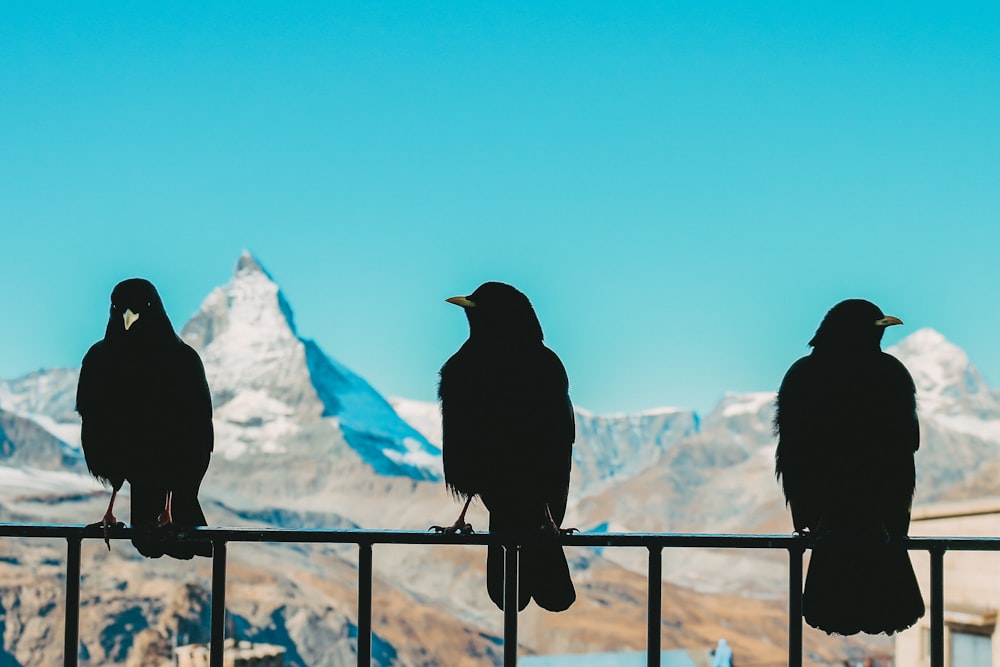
x: 847, y: 431
x: 147, y: 418
x: 508, y: 432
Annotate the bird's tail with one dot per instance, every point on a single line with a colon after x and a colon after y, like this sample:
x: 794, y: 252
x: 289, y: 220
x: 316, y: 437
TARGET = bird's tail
x: 543, y: 574
x: 186, y: 511
x: 851, y: 590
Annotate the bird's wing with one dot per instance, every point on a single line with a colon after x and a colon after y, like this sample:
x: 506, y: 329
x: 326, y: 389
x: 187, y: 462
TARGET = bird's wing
x: 799, y: 457
x: 905, y: 407
x: 462, y: 421
x: 557, y: 431
x: 191, y: 405
x: 902, y: 439
x: 98, y: 434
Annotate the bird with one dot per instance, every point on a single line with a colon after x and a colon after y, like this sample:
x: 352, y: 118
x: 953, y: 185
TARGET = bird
x: 508, y: 432
x: 146, y: 415
x: 847, y: 427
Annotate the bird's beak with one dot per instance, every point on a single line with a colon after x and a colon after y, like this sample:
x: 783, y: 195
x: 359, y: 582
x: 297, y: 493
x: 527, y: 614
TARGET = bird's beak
x: 888, y: 321
x: 462, y: 301
x: 130, y: 318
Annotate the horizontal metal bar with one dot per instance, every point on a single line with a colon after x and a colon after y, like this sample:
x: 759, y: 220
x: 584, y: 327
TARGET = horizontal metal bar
x: 338, y: 536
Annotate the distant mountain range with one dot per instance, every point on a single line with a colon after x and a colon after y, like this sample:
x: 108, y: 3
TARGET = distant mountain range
x: 302, y: 440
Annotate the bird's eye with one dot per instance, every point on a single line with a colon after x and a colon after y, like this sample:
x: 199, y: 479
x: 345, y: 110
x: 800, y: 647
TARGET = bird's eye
x: 148, y: 304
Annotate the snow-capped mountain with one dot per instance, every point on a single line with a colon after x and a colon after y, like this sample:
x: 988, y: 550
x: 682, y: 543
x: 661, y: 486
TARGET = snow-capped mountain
x: 48, y: 398
x: 959, y: 418
x: 608, y: 447
x: 267, y: 380
x: 612, y: 447
x: 946, y: 381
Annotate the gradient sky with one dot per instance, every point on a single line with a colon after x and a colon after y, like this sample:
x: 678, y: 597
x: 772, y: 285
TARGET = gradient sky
x: 683, y: 189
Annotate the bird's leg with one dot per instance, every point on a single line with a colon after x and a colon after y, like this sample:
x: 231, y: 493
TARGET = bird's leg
x: 550, y: 526
x: 166, y: 517
x: 460, y: 526
x: 109, y: 519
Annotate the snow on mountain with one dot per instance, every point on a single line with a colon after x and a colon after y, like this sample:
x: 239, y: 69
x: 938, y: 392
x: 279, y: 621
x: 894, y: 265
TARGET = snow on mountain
x: 611, y: 447
x: 47, y: 397
x: 959, y: 418
x: 607, y: 447
x: 268, y: 382
x: 747, y: 404
x: 946, y: 382
x: 36, y: 480
x: 424, y: 416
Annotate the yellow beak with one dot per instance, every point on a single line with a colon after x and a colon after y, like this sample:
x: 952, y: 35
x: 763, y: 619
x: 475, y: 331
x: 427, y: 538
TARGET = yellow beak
x: 888, y: 321
x: 130, y: 318
x: 462, y: 301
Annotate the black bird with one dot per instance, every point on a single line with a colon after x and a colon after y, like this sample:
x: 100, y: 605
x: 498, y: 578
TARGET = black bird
x: 847, y: 426
x: 508, y: 438
x: 147, y: 418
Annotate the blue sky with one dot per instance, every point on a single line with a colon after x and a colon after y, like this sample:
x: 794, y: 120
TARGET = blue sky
x: 683, y: 189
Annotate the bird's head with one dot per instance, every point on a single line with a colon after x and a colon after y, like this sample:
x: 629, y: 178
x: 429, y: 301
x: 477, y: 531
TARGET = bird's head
x: 851, y: 325
x: 499, y: 311
x: 137, y: 312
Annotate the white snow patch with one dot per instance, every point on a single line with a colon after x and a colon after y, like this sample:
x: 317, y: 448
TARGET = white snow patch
x: 934, y: 363
x: 415, y: 457
x: 53, y: 481
x: 747, y: 404
x: 665, y: 411
x: 423, y: 416
x: 68, y: 433
x: 984, y: 429
x: 252, y: 420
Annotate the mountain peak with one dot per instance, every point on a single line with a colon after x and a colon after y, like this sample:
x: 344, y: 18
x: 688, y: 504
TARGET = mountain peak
x: 249, y: 308
x: 940, y: 369
x: 268, y: 383
x: 248, y: 264
x: 927, y: 339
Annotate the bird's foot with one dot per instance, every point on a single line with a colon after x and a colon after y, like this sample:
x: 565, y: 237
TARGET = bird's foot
x: 457, y: 528
x: 550, y: 528
x: 164, y: 520
x: 108, y: 521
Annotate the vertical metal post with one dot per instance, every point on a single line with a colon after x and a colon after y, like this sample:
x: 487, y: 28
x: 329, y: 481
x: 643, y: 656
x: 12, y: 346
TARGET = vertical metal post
x: 937, y: 607
x: 365, y: 604
x: 218, y: 630
x: 654, y: 606
x: 795, y: 606
x: 71, y: 645
x: 510, y: 605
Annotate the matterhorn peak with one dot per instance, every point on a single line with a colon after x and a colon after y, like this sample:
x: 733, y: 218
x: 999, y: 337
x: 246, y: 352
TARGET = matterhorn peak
x: 249, y: 265
x: 249, y: 310
x: 268, y: 383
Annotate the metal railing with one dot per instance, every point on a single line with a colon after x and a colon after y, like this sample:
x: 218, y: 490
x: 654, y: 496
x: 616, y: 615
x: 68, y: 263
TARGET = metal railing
x: 366, y: 539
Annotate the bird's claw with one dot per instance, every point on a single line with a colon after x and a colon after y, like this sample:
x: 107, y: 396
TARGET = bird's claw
x: 107, y: 522
x: 454, y: 529
x: 568, y: 531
